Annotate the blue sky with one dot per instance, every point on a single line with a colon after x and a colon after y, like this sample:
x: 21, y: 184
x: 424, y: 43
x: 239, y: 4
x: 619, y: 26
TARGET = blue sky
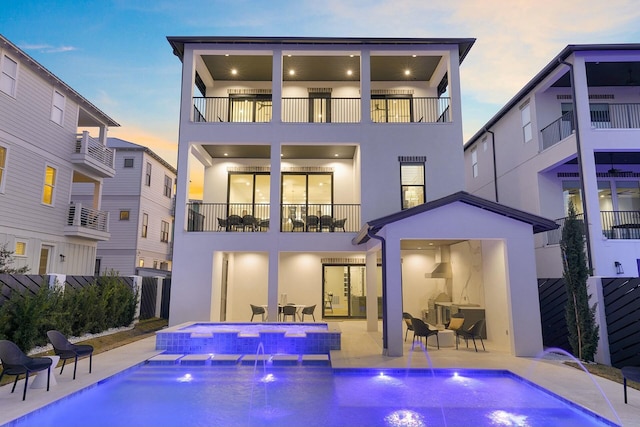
x: 115, y: 52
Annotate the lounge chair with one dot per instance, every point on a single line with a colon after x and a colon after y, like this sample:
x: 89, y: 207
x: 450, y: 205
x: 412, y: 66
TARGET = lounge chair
x: 15, y: 362
x: 421, y: 329
x: 256, y: 309
x: 309, y: 311
x: 473, y: 332
x: 407, y: 321
x: 63, y: 348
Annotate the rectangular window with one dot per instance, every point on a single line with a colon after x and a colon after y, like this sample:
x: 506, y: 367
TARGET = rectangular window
x: 250, y: 108
x: 124, y: 215
x: 391, y: 109
x: 21, y: 249
x: 164, y: 231
x: 527, y: 132
x: 319, y: 107
x: 167, y: 186
x: 8, y: 76
x: 49, y: 185
x: 57, y: 109
x: 141, y: 262
x: 412, y: 183
x: 147, y: 177
x: 474, y: 162
x: 3, y: 164
x: 128, y: 163
x: 145, y: 224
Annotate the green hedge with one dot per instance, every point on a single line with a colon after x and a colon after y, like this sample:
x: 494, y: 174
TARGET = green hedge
x: 25, y: 319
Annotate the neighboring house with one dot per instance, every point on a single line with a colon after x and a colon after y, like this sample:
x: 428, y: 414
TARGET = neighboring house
x: 50, y: 138
x: 331, y: 172
x: 139, y: 200
x: 571, y: 135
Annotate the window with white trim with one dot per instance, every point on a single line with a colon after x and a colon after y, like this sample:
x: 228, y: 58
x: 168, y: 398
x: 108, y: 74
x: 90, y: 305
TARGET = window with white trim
x: 412, y: 183
x: 525, y: 114
x: 128, y: 162
x: 147, y: 177
x: 145, y: 224
x: 21, y: 248
x: 167, y: 186
x: 3, y: 165
x: 49, y: 185
x: 8, y: 76
x: 57, y: 109
x: 474, y: 162
x: 124, y: 215
x: 164, y: 231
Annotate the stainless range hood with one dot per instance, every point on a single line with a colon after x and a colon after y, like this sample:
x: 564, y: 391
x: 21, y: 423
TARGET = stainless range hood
x: 442, y: 268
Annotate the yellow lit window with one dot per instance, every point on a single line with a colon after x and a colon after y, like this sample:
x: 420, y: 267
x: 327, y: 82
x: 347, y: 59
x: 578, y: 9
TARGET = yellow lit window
x: 49, y: 185
x: 21, y: 249
x: 3, y: 160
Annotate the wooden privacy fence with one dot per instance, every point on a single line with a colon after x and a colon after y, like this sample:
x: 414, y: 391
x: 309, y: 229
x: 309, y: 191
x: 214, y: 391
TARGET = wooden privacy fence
x: 149, y: 306
x: 621, y: 307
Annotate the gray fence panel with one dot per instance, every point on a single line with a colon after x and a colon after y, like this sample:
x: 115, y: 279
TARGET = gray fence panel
x: 622, y: 309
x: 553, y: 299
x: 148, y: 297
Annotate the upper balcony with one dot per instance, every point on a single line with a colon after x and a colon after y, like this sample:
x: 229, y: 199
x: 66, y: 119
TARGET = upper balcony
x: 93, y: 157
x: 87, y: 223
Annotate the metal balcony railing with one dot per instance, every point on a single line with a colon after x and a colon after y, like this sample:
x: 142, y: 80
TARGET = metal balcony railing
x: 94, y: 148
x: 615, y: 225
x: 558, y: 130
x: 94, y: 219
x: 321, y: 110
x: 249, y: 217
x: 615, y: 116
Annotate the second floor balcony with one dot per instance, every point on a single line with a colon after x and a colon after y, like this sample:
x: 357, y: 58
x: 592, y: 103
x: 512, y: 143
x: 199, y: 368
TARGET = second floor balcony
x: 615, y: 225
x: 322, y: 110
x: 86, y: 222
x: 94, y: 157
x: 249, y: 217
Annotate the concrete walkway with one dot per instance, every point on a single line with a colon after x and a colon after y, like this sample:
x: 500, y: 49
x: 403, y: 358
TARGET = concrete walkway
x: 361, y: 349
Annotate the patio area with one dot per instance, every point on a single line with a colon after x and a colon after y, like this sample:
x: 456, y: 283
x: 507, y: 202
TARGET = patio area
x: 363, y: 349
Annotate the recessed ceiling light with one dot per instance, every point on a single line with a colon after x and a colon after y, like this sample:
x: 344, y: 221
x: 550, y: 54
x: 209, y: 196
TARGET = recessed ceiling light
x: 413, y: 56
x: 292, y: 72
x: 234, y: 71
x: 350, y: 56
x: 349, y: 72
x: 336, y: 155
x: 226, y: 154
x: 226, y: 54
x: 289, y: 56
x: 407, y: 72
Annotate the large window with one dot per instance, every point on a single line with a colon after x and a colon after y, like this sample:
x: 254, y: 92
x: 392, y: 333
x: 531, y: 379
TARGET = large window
x: 8, y: 75
x: 57, y: 108
x: 147, y: 176
x: 249, y: 194
x: 164, y: 231
x: 306, y: 194
x: 613, y: 195
x: 412, y: 183
x: 319, y: 107
x: 525, y: 114
x: 167, y: 186
x: 250, y: 108
x: 145, y: 224
x: 49, y: 185
x: 391, y: 109
x: 3, y: 165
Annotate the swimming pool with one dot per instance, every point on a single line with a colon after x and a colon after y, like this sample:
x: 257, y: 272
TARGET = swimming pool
x: 160, y: 395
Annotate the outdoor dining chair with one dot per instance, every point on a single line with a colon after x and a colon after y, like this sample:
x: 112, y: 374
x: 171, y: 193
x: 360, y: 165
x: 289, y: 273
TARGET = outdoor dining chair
x: 63, y: 348
x: 15, y: 362
x: 309, y: 311
x: 256, y: 309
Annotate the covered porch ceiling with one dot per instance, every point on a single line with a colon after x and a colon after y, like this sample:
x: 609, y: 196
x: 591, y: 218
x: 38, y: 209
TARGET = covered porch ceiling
x: 233, y: 151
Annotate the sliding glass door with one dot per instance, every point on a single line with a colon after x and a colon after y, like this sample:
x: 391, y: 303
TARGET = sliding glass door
x: 345, y: 291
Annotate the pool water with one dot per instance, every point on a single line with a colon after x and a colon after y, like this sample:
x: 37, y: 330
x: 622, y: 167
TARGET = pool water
x: 161, y: 395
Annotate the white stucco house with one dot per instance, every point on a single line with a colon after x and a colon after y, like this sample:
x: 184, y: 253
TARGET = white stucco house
x: 139, y: 199
x: 329, y: 172
x: 50, y: 138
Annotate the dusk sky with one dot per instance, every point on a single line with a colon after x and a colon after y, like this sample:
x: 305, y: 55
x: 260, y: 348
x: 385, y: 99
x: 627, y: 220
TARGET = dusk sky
x: 115, y: 52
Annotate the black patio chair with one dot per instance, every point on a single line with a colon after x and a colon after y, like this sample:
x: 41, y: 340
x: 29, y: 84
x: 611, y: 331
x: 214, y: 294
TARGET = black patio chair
x: 339, y: 223
x: 222, y: 224
x: 256, y: 309
x: 421, y: 329
x: 234, y: 223
x: 473, y: 332
x: 249, y: 222
x: 312, y: 222
x: 63, y: 348
x: 309, y: 311
x: 297, y: 224
x: 326, y: 221
x: 407, y: 321
x: 15, y: 362
x: 288, y: 310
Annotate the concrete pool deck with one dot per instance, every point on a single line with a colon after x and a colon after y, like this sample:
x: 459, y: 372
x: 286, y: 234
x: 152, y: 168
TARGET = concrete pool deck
x: 359, y: 349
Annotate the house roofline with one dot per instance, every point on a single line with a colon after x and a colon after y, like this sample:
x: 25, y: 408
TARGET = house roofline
x: 138, y: 147
x: 540, y: 224
x: 178, y: 42
x: 43, y: 71
x: 546, y: 71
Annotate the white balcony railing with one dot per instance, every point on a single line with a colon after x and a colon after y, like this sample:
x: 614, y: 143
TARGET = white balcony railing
x: 84, y: 217
x: 94, y: 149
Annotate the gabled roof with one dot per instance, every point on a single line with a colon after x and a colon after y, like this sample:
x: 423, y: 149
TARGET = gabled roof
x: 539, y: 223
x: 48, y: 75
x: 122, y: 145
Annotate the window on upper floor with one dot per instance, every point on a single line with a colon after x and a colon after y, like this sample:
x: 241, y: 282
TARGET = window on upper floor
x: 412, y: 183
x: 141, y: 262
x: 145, y: 224
x: 248, y: 194
x: 21, y: 248
x: 164, y: 231
x: 167, y: 185
x: 319, y: 107
x: 250, y: 108
x: 307, y: 194
x: 391, y: 109
x: 147, y: 176
x: 57, y: 107
x: 8, y: 76
x: 527, y: 130
x: 128, y: 162
x: 49, y: 185
x: 124, y: 215
x: 3, y: 165
x: 474, y: 163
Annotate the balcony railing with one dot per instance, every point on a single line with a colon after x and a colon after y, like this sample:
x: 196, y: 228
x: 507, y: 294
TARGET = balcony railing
x: 615, y: 116
x: 615, y: 225
x: 558, y: 130
x: 80, y: 216
x: 315, y: 110
x: 248, y: 217
x: 94, y: 149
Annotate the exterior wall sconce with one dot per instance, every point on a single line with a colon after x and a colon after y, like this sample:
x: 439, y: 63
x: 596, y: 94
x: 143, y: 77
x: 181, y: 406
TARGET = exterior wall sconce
x: 619, y: 269
x: 62, y: 257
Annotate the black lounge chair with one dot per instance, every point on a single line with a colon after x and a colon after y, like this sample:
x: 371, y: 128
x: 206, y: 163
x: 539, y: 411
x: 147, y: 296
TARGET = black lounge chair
x: 421, y: 329
x: 63, y: 348
x: 474, y: 331
x: 309, y: 311
x: 407, y: 321
x: 15, y: 362
x: 288, y: 310
x: 256, y: 309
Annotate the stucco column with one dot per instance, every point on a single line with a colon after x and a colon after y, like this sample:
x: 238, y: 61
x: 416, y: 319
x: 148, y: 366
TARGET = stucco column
x: 365, y: 86
x: 371, y: 268
x: 392, y: 318
x: 276, y: 86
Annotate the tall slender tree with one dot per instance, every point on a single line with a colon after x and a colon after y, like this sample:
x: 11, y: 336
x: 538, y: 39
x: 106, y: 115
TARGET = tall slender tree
x: 581, y: 320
